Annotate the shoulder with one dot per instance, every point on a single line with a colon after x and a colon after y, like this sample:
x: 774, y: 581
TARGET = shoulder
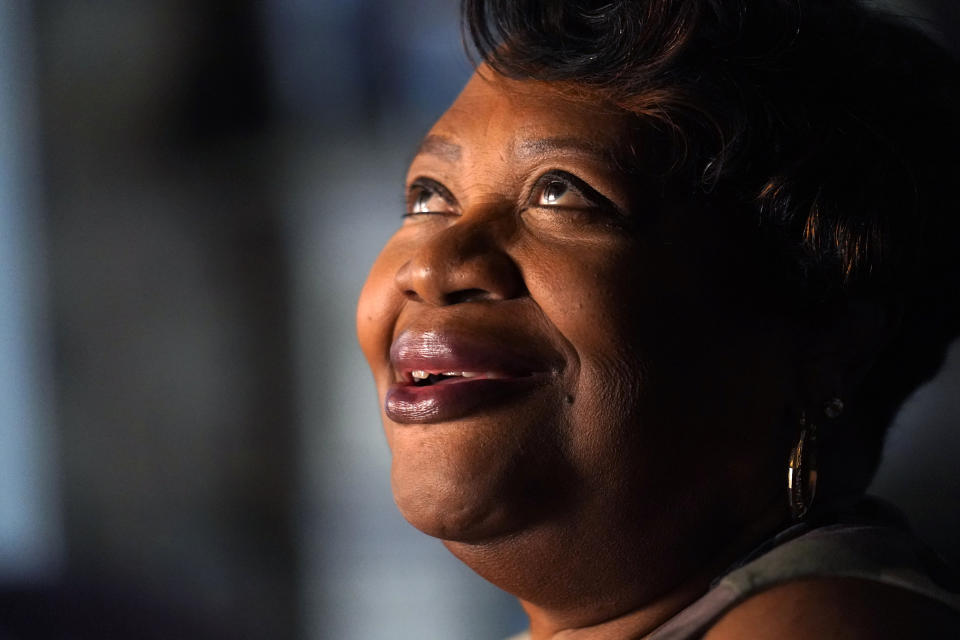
x: 849, y: 608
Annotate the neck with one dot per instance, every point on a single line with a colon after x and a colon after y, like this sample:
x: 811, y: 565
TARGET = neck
x: 632, y: 597
x: 636, y: 622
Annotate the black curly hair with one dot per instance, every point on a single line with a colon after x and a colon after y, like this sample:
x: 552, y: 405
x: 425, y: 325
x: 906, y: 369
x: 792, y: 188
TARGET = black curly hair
x: 833, y: 126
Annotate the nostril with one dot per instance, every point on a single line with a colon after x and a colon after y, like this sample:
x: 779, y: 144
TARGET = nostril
x: 460, y: 264
x: 468, y: 295
x: 412, y: 295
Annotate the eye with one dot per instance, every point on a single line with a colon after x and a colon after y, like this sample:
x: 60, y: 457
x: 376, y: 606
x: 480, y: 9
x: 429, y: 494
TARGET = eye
x: 561, y: 200
x: 562, y: 190
x: 426, y: 201
x: 427, y: 196
x: 555, y: 192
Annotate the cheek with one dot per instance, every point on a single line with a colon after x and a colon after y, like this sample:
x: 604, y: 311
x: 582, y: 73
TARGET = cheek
x: 593, y: 299
x: 665, y: 369
x: 377, y: 310
x: 588, y: 293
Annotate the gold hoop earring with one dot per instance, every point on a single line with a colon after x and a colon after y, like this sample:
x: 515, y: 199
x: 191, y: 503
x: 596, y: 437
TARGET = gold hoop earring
x: 802, y: 470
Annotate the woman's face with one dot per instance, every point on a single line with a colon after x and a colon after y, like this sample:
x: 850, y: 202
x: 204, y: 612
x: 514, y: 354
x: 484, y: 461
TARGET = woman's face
x: 612, y: 365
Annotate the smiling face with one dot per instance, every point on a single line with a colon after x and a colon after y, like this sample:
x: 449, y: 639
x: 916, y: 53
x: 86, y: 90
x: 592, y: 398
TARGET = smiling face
x: 561, y: 352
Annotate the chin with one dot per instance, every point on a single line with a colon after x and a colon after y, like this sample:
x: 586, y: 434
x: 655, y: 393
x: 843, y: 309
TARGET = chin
x: 471, y: 492
x: 454, y: 511
x: 477, y: 478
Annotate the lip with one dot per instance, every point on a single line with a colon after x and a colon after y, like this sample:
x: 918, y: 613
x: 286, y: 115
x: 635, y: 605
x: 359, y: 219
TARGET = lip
x: 500, y: 372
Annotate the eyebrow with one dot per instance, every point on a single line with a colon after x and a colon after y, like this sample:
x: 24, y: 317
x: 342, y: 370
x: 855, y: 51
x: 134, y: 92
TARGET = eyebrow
x: 441, y: 147
x: 551, y: 146
x: 444, y: 148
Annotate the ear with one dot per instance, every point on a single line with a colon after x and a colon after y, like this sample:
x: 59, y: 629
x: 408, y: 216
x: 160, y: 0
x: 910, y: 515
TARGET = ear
x: 840, y: 344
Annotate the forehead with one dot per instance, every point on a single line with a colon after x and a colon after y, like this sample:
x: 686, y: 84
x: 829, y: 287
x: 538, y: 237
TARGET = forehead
x: 511, y: 117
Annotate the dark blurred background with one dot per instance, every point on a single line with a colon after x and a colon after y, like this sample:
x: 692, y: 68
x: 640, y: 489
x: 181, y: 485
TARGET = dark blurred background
x: 191, y: 193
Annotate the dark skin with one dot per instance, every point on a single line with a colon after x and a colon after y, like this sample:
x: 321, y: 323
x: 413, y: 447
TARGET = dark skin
x: 650, y: 451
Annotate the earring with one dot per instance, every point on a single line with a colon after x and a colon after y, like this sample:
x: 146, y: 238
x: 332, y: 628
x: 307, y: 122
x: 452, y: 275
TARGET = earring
x: 802, y: 470
x: 834, y: 408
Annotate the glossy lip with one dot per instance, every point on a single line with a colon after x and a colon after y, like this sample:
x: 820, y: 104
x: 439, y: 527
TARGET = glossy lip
x: 501, y: 372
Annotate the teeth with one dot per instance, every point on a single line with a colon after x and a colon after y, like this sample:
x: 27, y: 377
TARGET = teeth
x: 423, y: 375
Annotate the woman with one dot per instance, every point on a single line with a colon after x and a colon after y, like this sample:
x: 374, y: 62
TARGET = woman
x: 655, y: 255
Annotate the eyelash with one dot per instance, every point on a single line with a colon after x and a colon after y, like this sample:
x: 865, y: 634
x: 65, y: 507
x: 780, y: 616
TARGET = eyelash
x: 420, y: 186
x: 574, y: 184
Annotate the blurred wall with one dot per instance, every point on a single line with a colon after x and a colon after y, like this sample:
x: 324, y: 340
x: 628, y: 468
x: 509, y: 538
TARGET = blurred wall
x: 170, y: 315
x: 30, y: 524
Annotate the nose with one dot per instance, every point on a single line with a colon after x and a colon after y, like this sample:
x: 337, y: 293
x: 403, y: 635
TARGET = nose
x: 464, y: 262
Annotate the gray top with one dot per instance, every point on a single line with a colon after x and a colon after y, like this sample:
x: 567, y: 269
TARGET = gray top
x: 868, y: 548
